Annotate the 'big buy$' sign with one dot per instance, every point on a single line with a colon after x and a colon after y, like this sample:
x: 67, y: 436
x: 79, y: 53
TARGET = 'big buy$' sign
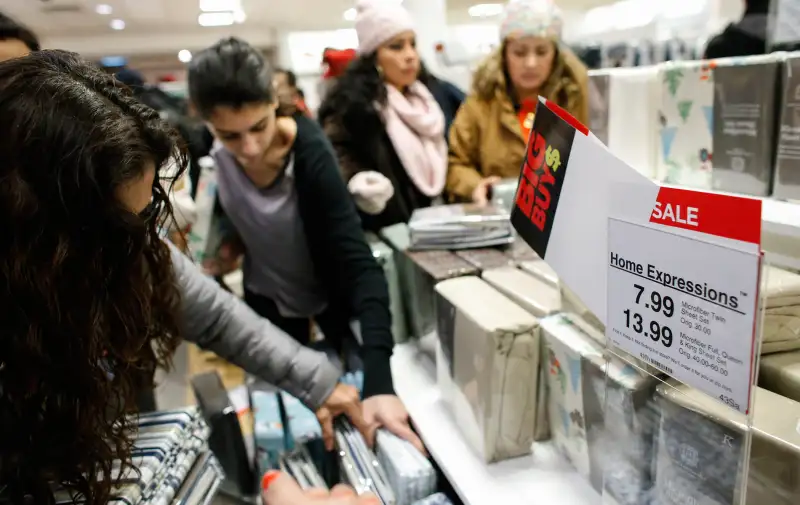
x: 533, y: 193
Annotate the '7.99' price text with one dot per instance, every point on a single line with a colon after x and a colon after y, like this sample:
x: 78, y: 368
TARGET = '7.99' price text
x: 657, y: 304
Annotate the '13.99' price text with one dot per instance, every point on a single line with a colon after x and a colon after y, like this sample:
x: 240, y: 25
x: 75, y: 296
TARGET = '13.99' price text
x: 657, y: 304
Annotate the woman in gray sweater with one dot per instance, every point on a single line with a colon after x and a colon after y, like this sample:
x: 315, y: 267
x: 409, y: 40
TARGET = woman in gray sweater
x: 92, y: 299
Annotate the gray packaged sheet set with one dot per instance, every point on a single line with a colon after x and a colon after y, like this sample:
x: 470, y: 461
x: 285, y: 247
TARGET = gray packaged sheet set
x: 386, y: 258
x: 485, y: 258
x: 428, y: 269
x: 745, y: 97
x: 487, y: 367
x: 700, y: 453
x: 418, y: 272
x: 609, y: 440
x: 787, y: 164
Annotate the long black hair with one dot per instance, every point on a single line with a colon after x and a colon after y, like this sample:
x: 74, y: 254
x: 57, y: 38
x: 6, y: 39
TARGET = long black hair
x: 89, y: 302
x: 355, y: 94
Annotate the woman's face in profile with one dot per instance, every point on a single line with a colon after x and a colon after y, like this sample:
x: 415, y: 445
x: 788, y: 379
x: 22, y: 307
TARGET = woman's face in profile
x: 136, y: 194
x: 399, y: 60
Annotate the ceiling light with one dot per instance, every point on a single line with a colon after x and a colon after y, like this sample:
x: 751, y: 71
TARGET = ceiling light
x: 350, y: 14
x: 220, y: 5
x: 103, y: 9
x: 185, y: 56
x: 216, y: 19
x: 485, y: 10
x: 117, y: 24
x: 239, y: 16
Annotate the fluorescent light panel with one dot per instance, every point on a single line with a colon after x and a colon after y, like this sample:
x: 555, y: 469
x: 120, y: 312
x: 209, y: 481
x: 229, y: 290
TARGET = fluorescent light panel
x: 220, y: 5
x: 216, y: 19
x: 117, y: 24
x: 103, y: 9
x: 485, y: 10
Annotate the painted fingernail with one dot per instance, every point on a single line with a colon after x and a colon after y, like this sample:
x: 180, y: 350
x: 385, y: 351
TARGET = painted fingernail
x: 269, y: 478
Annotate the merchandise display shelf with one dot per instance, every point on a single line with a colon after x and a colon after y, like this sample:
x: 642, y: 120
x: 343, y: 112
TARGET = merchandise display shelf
x: 544, y: 477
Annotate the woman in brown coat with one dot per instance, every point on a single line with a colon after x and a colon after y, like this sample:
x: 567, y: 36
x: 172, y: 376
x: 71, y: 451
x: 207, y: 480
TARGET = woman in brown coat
x: 489, y: 133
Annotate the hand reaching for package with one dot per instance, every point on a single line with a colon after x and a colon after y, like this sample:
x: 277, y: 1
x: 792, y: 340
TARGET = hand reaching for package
x: 480, y: 194
x: 388, y: 411
x: 344, y: 400
x: 277, y: 488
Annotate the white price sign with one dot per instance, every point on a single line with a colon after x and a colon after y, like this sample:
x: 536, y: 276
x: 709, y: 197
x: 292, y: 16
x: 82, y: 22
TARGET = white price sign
x: 685, y: 306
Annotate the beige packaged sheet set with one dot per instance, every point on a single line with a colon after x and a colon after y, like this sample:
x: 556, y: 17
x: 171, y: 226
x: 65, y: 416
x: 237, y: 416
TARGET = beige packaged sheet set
x: 780, y: 373
x: 541, y: 270
x: 487, y: 367
x: 540, y: 299
x: 781, y: 292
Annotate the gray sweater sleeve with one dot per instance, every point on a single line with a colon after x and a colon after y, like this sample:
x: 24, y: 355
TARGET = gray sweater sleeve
x: 218, y: 321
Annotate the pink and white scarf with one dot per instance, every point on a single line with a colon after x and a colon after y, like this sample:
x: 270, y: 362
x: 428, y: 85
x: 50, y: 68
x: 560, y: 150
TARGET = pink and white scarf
x: 415, y: 125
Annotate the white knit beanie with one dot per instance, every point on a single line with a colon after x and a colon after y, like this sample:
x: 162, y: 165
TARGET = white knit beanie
x: 378, y: 21
x: 531, y: 18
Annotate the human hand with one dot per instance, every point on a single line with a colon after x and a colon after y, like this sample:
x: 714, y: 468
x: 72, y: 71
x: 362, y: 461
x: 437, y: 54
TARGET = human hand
x: 344, y: 400
x: 226, y: 260
x: 388, y: 411
x: 278, y: 488
x: 480, y: 194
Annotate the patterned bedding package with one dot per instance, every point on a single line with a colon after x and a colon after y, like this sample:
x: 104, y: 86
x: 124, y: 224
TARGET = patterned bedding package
x: 608, y: 440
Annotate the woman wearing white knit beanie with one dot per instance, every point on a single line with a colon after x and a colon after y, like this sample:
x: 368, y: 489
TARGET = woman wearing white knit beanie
x: 388, y: 119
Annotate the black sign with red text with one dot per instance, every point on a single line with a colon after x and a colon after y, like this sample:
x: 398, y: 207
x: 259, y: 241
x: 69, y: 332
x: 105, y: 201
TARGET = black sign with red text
x: 542, y: 175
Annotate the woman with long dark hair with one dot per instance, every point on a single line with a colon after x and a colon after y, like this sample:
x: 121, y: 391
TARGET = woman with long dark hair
x: 306, y: 259
x: 92, y: 299
x: 388, y: 119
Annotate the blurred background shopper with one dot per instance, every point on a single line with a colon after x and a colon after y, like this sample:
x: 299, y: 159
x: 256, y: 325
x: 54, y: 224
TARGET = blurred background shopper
x: 305, y: 255
x: 290, y: 97
x: 489, y: 134
x: 15, y: 39
x: 393, y: 156
x: 746, y: 37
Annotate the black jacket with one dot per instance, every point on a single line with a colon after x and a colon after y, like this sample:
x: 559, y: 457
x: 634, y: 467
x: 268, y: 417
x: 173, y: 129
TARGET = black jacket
x: 362, y: 144
x: 746, y: 38
x: 343, y: 262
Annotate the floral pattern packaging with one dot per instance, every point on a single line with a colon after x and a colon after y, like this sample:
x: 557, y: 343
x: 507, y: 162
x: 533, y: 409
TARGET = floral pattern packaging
x: 609, y: 444
x: 686, y: 123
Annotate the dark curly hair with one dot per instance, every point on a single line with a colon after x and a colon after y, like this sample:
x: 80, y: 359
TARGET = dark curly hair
x: 354, y: 94
x: 86, y: 286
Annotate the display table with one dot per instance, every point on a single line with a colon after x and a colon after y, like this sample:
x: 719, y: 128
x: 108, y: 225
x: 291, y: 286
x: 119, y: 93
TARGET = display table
x: 542, y: 478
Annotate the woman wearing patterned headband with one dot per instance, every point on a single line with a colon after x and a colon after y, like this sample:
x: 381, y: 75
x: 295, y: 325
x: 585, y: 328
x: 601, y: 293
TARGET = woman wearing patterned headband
x: 488, y: 136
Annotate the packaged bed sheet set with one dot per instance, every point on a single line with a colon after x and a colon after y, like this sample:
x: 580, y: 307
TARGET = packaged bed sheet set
x: 700, y: 453
x: 614, y: 93
x: 419, y: 272
x: 746, y: 94
x: 540, y: 299
x: 610, y: 444
x: 787, y: 165
x: 172, y: 460
x: 780, y: 373
x: 487, y: 367
x: 781, y: 328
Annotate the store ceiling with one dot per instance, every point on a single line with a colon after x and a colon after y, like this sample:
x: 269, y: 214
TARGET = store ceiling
x: 79, y: 17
